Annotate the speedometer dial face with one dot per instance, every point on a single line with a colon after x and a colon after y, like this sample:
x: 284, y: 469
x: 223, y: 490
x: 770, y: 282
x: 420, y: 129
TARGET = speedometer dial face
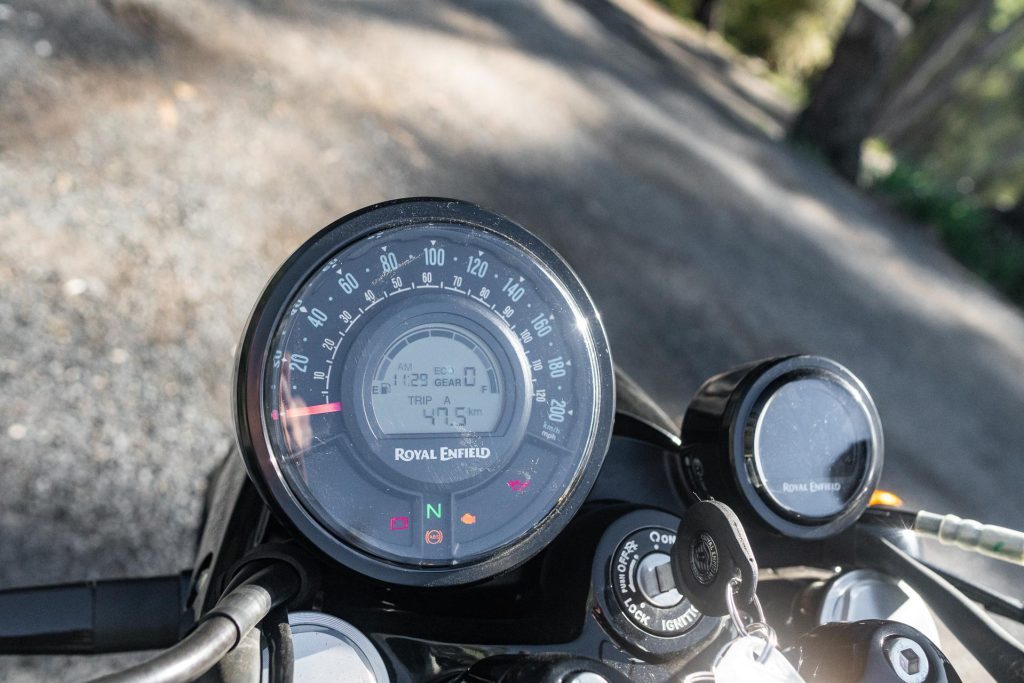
x: 435, y: 389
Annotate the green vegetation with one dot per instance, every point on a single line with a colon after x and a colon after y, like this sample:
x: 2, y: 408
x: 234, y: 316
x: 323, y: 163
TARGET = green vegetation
x: 978, y: 136
x: 967, y: 227
x: 963, y: 125
x: 952, y: 117
x: 793, y: 37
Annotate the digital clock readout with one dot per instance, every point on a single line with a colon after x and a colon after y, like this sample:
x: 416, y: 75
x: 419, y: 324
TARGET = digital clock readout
x: 437, y: 379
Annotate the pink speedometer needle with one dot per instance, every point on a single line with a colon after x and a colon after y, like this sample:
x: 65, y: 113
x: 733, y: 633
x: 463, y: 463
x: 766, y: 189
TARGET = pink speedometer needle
x: 308, y: 410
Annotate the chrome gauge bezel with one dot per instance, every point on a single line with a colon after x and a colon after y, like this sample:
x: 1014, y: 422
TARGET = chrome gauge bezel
x: 256, y: 344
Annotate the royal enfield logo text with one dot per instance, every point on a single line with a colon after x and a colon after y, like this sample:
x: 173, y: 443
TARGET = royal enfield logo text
x: 444, y: 454
x: 810, y: 487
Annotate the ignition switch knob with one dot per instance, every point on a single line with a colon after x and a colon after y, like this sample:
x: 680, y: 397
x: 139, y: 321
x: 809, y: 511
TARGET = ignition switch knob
x: 646, y: 596
x: 653, y: 584
x: 634, y: 592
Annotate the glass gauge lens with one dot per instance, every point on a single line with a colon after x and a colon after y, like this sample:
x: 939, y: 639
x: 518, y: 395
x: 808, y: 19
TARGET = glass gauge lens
x: 433, y: 392
x: 811, y: 445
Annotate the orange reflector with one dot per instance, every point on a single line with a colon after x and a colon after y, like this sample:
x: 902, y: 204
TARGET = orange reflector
x: 880, y: 497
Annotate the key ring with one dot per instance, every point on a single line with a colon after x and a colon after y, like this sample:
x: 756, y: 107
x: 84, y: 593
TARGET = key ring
x: 758, y: 628
x: 734, y: 612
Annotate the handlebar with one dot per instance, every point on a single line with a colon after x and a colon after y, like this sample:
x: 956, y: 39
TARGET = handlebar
x: 95, y: 617
x: 219, y: 631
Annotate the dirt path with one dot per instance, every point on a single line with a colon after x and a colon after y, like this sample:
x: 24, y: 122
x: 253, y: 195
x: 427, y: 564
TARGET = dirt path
x: 156, y: 167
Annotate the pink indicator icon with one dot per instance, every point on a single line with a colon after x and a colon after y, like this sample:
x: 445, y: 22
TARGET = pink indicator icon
x: 398, y: 524
x: 518, y: 485
x: 307, y: 410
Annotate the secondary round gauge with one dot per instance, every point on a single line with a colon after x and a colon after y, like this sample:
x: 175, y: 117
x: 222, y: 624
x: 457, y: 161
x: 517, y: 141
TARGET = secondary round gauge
x: 425, y: 392
x: 796, y: 441
x: 810, y: 442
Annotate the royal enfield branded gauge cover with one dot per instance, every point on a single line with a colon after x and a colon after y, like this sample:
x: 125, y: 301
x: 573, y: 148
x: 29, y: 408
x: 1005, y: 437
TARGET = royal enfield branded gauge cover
x: 424, y: 391
x: 794, y: 441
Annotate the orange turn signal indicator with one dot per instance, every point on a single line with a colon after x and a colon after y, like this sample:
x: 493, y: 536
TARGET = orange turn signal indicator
x: 880, y: 497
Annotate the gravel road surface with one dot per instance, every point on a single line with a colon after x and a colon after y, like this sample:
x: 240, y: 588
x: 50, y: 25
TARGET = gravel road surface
x: 159, y: 160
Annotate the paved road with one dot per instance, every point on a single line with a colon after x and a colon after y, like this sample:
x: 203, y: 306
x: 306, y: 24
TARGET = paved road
x: 155, y: 167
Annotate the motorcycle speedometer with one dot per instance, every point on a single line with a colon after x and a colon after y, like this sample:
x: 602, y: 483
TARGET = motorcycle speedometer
x: 425, y: 392
x: 795, y: 442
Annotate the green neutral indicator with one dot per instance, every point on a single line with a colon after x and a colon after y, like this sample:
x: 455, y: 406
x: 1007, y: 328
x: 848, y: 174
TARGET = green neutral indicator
x: 433, y: 510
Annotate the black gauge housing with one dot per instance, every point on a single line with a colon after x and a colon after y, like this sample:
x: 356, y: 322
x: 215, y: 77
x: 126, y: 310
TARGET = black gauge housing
x: 792, y: 442
x: 424, y: 392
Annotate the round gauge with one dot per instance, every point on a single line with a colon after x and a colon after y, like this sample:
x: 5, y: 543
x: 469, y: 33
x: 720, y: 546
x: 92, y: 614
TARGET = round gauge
x: 795, y: 441
x: 425, y: 392
x: 810, y: 442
